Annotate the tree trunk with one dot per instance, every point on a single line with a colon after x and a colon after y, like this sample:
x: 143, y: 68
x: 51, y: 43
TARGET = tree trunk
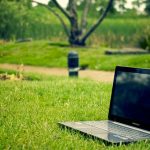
x: 84, y: 16
x: 74, y: 38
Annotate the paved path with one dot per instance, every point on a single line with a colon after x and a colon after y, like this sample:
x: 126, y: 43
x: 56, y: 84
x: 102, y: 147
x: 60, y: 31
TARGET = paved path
x: 92, y: 74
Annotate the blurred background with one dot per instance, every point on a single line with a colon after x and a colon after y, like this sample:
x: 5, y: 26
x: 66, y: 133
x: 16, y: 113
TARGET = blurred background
x: 127, y: 23
x: 42, y: 32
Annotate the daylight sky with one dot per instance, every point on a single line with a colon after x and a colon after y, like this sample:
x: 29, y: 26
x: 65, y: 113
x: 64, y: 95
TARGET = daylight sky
x: 63, y: 3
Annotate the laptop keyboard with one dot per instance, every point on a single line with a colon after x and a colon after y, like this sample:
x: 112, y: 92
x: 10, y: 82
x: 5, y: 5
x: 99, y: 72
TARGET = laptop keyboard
x: 120, y: 130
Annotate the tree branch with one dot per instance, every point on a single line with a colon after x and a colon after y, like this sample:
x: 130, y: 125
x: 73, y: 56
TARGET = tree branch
x: 57, y: 15
x: 91, y: 30
x: 84, y: 15
x: 74, y: 27
x: 61, y: 9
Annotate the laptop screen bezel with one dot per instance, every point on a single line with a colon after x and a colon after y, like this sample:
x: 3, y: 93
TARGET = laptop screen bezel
x: 121, y: 119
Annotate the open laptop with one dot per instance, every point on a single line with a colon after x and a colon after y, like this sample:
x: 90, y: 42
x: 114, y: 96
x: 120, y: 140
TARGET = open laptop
x: 129, y: 112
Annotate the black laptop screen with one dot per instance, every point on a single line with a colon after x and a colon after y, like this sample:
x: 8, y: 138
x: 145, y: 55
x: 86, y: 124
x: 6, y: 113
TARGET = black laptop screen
x: 131, y: 97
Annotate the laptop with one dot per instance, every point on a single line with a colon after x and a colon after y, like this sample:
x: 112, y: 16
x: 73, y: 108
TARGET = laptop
x: 129, y: 112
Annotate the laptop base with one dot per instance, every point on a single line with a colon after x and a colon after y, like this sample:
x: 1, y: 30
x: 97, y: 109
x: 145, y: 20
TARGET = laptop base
x: 100, y: 130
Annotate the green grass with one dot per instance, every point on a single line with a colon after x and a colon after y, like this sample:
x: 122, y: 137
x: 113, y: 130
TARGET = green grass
x: 44, y: 53
x: 31, y: 110
x: 120, y: 32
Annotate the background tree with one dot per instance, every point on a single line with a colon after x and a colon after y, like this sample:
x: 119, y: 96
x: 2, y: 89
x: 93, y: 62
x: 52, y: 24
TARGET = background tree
x: 113, y: 9
x: 77, y: 32
x: 121, y: 5
x: 137, y: 3
x: 147, y: 8
x: 13, y: 17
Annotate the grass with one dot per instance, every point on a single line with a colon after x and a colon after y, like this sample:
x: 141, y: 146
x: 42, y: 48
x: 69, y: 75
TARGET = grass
x: 44, y: 53
x: 30, y: 111
x: 120, y: 32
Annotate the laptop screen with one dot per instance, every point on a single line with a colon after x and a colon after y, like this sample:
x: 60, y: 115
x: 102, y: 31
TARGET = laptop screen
x: 131, y: 96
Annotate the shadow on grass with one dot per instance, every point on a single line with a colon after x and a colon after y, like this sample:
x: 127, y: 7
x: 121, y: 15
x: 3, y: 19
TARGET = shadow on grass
x: 58, y: 44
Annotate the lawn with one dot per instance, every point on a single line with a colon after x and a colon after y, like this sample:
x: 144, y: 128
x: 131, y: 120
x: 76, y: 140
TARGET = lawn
x: 30, y: 111
x: 45, y: 53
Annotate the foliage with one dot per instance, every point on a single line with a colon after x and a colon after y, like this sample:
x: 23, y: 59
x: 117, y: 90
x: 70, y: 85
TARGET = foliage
x: 13, y: 18
x: 113, y: 9
x: 43, y: 53
x: 144, y: 41
x: 121, y: 4
x: 122, y: 32
x: 147, y: 8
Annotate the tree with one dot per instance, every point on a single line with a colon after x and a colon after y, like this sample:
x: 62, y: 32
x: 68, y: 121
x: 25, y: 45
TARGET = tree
x: 76, y: 31
x: 12, y: 17
x: 147, y: 8
x: 112, y: 9
x: 121, y: 4
x: 137, y: 4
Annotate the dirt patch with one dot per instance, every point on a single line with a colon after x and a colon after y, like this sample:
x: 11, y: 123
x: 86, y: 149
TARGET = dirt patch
x: 102, y: 76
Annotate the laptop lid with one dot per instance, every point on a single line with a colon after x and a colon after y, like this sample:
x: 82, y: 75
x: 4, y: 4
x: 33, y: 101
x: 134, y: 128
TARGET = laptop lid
x: 130, y: 99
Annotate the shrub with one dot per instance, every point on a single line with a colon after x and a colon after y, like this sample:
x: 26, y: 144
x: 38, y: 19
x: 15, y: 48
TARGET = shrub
x: 144, y: 41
